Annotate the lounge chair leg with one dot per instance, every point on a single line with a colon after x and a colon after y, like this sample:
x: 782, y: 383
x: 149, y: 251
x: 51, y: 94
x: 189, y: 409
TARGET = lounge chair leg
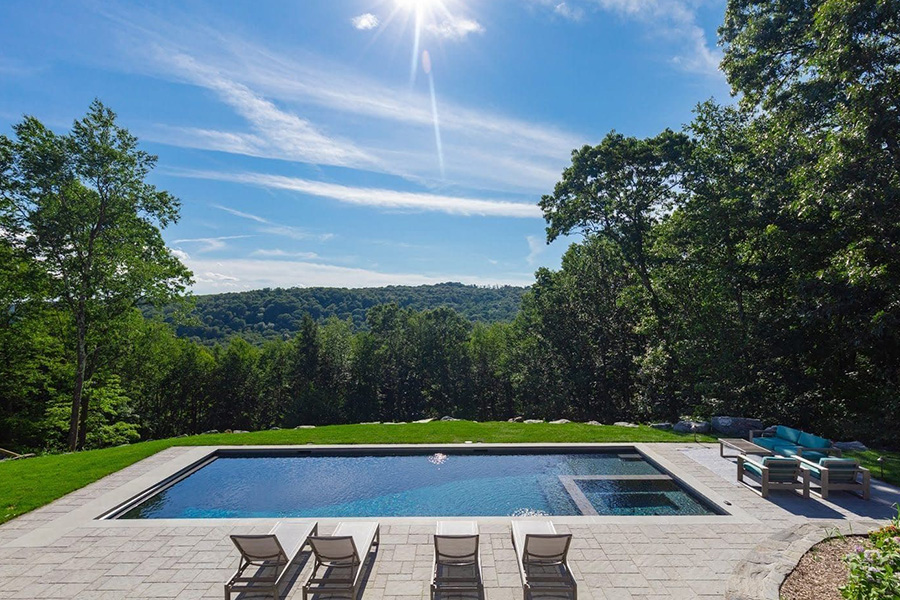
x: 227, y: 593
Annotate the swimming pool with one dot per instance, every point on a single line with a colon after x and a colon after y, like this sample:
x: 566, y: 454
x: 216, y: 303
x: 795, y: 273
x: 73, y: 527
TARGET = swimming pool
x: 515, y: 482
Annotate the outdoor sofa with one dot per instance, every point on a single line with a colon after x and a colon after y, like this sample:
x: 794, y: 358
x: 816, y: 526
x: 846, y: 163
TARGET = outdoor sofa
x: 827, y: 469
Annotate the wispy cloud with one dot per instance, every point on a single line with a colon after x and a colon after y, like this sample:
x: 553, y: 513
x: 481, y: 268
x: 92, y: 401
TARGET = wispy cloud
x: 245, y: 274
x: 278, y: 253
x: 455, y: 28
x: 277, y: 91
x: 278, y: 131
x: 567, y: 11
x: 365, y: 21
x: 376, y: 197
x: 674, y: 20
x: 210, y: 244
x: 536, y: 247
x: 289, y: 231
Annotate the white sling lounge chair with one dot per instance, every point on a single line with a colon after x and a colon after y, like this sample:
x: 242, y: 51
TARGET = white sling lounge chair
x: 542, y: 556
x: 457, y: 560
x: 338, y: 563
x: 273, y: 553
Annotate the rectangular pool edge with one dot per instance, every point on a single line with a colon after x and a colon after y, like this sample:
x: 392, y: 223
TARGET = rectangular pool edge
x: 716, y: 506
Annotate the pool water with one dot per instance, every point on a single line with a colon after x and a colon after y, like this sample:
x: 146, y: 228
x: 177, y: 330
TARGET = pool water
x: 421, y: 485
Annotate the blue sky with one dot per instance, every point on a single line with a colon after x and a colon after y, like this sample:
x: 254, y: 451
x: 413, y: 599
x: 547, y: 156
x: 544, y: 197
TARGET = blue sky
x: 309, y: 147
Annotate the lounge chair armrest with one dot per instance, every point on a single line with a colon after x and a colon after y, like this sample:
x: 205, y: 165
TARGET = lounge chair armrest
x: 746, y: 459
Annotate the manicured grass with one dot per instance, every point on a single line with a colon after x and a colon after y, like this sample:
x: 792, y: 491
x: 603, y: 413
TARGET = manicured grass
x: 33, y: 482
x: 891, y: 464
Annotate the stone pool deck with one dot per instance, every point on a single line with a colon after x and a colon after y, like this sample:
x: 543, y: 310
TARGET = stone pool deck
x: 62, y: 552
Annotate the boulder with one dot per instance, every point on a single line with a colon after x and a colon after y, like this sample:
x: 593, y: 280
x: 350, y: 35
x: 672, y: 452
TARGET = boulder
x: 691, y: 427
x: 665, y: 426
x: 850, y: 446
x: 394, y: 423
x: 515, y: 420
x: 533, y: 421
x: 239, y: 431
x: 624, y: 424
x: 735, y: 426
x: 274, y: 428
x: 367, y: 423
x: 593, y: 423
x: 424, y: 421
x: 560, y: 422
x: 448, y: 418
x: 211, y: 431
x: 305, y: 427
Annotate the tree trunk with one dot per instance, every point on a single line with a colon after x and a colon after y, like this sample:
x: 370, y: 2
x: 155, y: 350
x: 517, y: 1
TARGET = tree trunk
x: 75, y: 422
x: 82, y: 427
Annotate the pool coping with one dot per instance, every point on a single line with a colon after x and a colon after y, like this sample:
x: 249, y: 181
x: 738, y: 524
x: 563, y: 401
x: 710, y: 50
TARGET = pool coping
x: 90, y: 514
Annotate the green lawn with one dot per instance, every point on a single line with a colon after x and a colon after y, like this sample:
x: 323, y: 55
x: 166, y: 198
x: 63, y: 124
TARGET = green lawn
x: 891, y: 464
x: 33, y: 482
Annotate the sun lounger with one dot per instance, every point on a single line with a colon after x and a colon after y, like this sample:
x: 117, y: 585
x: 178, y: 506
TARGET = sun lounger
x: 338, y: 563
x: 542, y: 556
x: 457, y: 561
x: 273, y: 553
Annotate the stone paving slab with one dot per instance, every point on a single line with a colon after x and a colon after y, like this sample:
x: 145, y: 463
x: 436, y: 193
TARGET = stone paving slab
x: 656, y: 558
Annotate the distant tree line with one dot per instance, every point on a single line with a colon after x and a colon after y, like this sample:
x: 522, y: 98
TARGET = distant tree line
x: 747, y: 264
x: 276, y: 314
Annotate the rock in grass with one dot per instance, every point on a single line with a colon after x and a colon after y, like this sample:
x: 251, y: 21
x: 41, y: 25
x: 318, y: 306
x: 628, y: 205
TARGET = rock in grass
x: 735, y: 426
x: 449, y: 418
x: 593, y: 423
x: 532, y: 421
x: 624, y: 424
x: 851, y: 446
x: 691, y: 427
x: 274, y: 428
x: 211, y: 431
x: 305, y: 427
x: 515, y: 420
x: 560, y: 422
x: 424, y: 421
x: 663, y: 426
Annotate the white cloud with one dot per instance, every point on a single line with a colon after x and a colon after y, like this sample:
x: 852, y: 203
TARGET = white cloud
x: 376, y: 197
x: 365, y: 21
x: 210, y: 244
x: 279, y: 90
x: 295, y: 233
x: 279, y: 132
x: 278, y: 253
x: 180, y: 254
x: 566, y: 11
x: 245, y: 274
x: 675, y: 20
x: 455, y: 28
x: 536, y: 247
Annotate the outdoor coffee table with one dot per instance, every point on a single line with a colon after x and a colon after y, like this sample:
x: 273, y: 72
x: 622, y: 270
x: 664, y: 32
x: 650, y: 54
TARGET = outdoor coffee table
x: 742, y: 446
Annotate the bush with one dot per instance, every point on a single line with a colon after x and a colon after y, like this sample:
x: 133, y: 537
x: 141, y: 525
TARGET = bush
x: 875, y: 572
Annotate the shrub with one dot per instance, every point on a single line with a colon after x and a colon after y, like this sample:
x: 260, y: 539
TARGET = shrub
x: 875, y: 571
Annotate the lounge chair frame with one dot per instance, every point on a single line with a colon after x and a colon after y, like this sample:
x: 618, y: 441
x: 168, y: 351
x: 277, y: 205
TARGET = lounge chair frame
x: 861, y: 487
x: 441, y: 583
x: 279, y: 562
x: 765, y: 484
x: 329, y: 584
x: 563, y: 582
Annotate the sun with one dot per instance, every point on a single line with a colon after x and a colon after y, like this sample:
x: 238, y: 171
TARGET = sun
x: 417, y: 5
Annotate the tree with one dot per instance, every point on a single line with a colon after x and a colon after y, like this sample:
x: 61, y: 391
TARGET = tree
x: 79, y: 207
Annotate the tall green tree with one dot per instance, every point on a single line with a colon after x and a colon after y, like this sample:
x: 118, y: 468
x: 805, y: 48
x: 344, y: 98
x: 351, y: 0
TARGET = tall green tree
x: 79, y: 207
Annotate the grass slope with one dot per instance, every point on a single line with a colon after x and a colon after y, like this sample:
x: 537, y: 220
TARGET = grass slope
x: 34, y: 482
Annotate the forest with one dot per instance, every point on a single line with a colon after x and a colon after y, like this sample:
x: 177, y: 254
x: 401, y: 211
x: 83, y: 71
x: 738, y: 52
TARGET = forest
x: 272, y: 314
x: 747, y: 263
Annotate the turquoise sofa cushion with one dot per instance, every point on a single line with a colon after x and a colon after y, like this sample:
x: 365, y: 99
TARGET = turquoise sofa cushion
x: 788, y: 433
x: 773, y: 443
x: 808, y: 440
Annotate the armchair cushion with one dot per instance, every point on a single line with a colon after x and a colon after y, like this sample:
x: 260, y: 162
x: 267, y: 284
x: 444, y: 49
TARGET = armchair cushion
x: 788, y: 433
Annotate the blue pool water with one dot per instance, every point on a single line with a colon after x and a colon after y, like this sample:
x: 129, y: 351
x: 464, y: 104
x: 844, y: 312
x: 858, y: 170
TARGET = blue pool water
x: 419, y: 485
